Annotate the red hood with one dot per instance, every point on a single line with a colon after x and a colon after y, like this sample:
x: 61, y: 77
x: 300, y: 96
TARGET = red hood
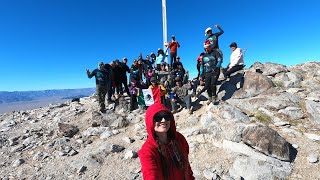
x: 151, y: 111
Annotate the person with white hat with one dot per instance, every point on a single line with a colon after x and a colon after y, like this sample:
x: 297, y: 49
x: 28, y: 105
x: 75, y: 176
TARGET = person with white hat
x: 214, y: 37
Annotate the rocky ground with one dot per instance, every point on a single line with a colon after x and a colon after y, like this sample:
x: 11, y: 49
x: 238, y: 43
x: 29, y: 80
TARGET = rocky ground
x: 266, y: 126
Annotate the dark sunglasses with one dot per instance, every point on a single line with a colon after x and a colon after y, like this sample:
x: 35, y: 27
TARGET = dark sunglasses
x: 158, y: 118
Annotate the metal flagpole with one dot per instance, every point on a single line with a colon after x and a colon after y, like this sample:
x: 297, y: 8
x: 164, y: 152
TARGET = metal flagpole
x: 164, y: 26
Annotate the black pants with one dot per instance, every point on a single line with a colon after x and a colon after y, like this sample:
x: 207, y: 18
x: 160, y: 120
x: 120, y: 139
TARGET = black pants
x: 232, y: 70
x: 210, y: 83
x: 173, y: 57
x: 124, y: 81
x: 133, y: 101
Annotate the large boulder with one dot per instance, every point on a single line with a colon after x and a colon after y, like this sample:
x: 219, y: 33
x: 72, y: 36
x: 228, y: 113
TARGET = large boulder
x: 268, y: 69
x: 288, y: 80
x: 267, y: 141
x: 254, y: 84
x: 313, y: 110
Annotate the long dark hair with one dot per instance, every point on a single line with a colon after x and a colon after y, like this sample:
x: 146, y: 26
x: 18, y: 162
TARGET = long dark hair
x: 177, y: 156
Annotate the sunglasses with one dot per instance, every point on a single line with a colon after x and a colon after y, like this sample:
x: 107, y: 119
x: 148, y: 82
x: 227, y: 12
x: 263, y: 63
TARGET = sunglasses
x: 158, y: 118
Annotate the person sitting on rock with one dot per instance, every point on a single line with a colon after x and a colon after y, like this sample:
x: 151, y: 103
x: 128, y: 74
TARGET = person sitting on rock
x: 176, y: 63
x: 164, y: 155
x: 236, y: 60
x: 102, y: 84
x: 179, y: 95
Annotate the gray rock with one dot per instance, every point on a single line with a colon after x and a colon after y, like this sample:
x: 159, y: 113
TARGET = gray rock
x: 72, y: 152
x: 208, y: 174
x: 128, y: 140
x: 313, y: 137
x: 207, y: 120
x: 249, y: 168
x: 17, y: 162
x: 254, y: 84
x: 106, y: 134
x: 129, y: 154
x: 288, y: 80
x: 312, y: 158
x: 116, y: 148
x: 94, y: 131
x: 67, y: 130
x: 119, y: 123
x: 271, y: 69
x: 313, y: 110
x: 267, y: 141
x: 81, y: 169
x: 230, y: 113
x: 292, y: 113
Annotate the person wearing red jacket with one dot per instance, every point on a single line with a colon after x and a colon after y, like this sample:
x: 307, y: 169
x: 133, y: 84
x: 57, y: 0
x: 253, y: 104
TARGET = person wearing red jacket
x: 173, y: 45
x: 164, y: 155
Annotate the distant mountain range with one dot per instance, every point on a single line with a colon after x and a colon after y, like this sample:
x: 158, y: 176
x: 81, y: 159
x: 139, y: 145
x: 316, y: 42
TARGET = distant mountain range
x: 22, y: 100
x: 18, y: 96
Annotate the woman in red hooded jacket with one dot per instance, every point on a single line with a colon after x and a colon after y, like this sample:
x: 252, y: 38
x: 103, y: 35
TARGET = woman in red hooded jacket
x: 164, y: 155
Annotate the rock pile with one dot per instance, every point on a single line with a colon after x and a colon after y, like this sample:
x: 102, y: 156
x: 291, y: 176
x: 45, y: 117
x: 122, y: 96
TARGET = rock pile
x: 266, y: 126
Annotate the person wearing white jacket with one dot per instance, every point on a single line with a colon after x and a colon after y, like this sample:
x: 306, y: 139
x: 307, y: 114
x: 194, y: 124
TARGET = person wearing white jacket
x: 236, y: 60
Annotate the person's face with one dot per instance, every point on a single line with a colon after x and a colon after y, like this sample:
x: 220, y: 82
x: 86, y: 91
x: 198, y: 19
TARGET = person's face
x: 208, y: 50
x: 154, y: 83
x: 133, y: 83
x: 178, y: 59
x: 139, y: 62
x: 233, y: 48
x: 163, y: 67
x: 101, y: 66
x: 162, y: 123
x: 209, y: 32
x: 125, y: 61
x: 178, y: 83
x: 147, y: 58
x: 135, y: 62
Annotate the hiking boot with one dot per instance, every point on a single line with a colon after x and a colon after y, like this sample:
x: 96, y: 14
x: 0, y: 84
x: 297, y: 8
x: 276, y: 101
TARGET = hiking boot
x: 215, y: 100
x: 209, y: 100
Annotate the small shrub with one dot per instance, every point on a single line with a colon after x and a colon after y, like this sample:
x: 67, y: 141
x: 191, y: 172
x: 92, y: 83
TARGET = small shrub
x: 263, y: 118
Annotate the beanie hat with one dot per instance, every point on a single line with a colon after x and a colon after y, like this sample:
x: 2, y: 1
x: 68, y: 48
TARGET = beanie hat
x: 207, y: 44
x: 234, y: 44
x: 206, y: 31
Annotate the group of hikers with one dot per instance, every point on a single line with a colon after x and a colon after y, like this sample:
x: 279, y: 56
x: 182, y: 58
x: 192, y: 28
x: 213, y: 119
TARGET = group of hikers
x: 164, y: 155
x: 170, y: 79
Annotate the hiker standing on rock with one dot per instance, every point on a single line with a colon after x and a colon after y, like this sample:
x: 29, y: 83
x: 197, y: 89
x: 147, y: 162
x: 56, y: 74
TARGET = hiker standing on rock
x: 210, y: 68
x: 102, y: 83
x: 164, y: 155
x: 236, y: 60
x: 173, y: 45
x: 214, y: 37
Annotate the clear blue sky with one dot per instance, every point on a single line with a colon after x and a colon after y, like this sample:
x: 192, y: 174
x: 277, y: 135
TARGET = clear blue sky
x: 48, y: 44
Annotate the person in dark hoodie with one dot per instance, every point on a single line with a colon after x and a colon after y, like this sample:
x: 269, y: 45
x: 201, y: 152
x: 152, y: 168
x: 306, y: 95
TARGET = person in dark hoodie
x: 102, y: 84
x: 164, y: 155
x: 124, y: 69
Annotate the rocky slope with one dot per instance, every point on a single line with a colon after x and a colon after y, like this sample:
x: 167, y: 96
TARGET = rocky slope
x: 266, y: 126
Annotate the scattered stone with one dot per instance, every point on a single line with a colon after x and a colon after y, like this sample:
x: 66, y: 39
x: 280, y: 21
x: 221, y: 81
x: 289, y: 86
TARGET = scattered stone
x: 17, y: 162
x: 67, y: 130
x: 72, y: 152
x: 313, y: 137
x: 130, y: 154
x: 128, y: 140
x: 116, y: 148
x: 312, y: 158
x: 81, y: 169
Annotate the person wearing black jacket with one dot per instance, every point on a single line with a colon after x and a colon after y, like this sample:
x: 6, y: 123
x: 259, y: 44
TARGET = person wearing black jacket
x: 123, y: 80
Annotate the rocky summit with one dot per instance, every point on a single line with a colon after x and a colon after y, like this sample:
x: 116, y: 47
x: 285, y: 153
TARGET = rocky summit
x: 266, y: 125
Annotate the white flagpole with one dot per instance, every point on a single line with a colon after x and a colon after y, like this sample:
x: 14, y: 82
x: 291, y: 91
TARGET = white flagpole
x: 164, y: 26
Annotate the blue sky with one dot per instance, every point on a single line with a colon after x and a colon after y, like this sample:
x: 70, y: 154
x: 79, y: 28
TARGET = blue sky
x: 48, y: 44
